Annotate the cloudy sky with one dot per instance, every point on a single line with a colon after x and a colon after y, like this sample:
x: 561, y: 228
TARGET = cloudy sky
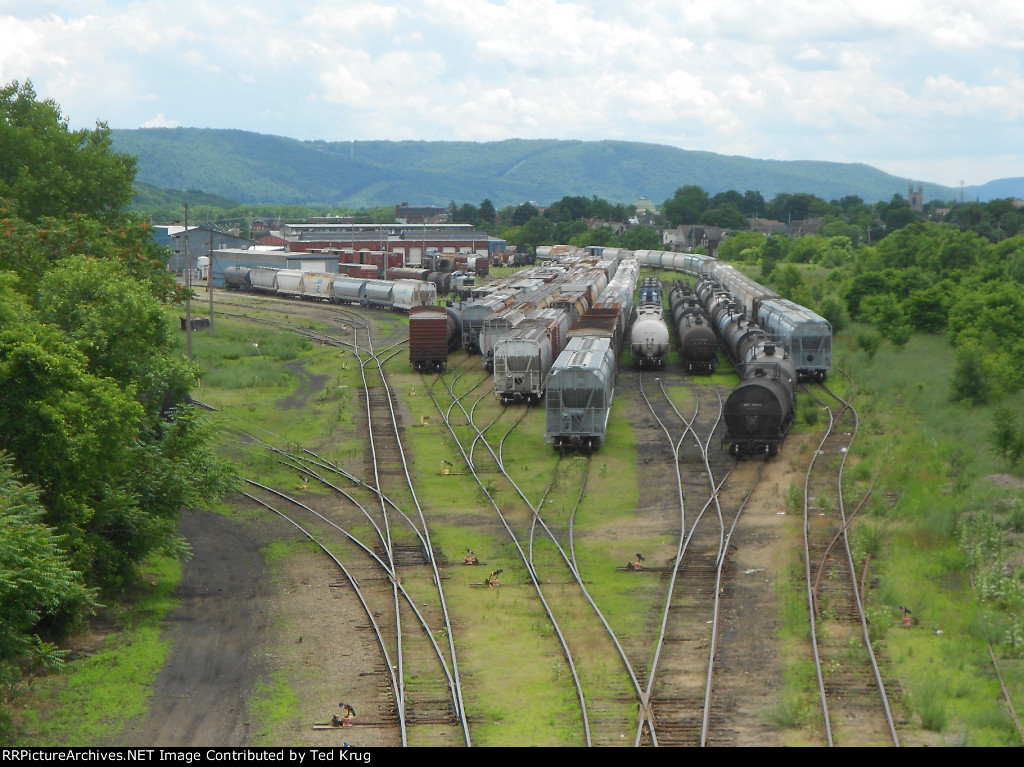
x: 929, y: 90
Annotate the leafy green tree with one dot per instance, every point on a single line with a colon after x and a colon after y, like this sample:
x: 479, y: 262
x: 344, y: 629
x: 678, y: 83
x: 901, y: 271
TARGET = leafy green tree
x: 796, y: 207
x: 565, y: 231
x: 971, y: 382
x: 834, y: 227
x: 726, y: 216
x: 467, y: 214
x: 70, y: 432
x: 927, y: 309
x: 640, y: 238
x: 36, y: 578
x: 884, y: 311
x: 686, y: 206
x: 537, y: 230
x: 753, y: 204
x: 860, y: 287
x: 524, y: 213
x: 773, y: 251
x: 46, y: 169
x: 92, y: 390
x: 487, y: 212
x: 869, y: 343
x: 831, y: 308
x: 30, y: 249
x: 899, y: 214
x: 568, y: 209
x: 740, y: 242
x: 599, y: 235
x: 118, y: 325
x: 787, y: 280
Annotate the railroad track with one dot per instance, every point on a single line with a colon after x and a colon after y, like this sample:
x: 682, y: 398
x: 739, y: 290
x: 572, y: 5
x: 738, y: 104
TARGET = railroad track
x: 853, y: 696
x: 545, y: 544
x: 677, y: 692
x: 424, y: 689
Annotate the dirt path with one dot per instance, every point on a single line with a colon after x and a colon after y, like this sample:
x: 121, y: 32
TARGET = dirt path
x: 201, y: 696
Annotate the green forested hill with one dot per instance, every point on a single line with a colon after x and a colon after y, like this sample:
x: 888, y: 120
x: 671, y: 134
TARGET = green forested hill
x: 257, y: 168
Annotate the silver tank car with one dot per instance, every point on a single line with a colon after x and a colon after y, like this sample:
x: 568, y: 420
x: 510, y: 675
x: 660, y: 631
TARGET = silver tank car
x: 237, y: 278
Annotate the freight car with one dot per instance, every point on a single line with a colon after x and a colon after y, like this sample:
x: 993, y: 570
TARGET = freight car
x: 760, y: 410
x: 579, y: 395
x: 434, y: 332
x: 649, y: 335
x: 807, y: 336
x: 523, y: 359
x: 237, y: 278
x: 698, y: 344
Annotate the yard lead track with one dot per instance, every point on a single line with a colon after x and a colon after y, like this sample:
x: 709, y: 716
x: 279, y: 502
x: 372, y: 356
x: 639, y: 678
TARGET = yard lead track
x: 854, y: 702
x: 680, y: 704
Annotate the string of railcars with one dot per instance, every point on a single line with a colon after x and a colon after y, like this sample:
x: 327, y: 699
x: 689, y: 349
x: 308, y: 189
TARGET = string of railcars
x: 760, y: 410
x: 804, y: 334
x: 550, y: 332
x: 698, y: 344
x: 402, y: 295
x: 568, y: 287
x: 581, y: 385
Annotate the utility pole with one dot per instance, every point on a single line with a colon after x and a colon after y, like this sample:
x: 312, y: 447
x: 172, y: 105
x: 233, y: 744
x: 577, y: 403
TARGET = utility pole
x: 188, y: 292
x: 209, y: 278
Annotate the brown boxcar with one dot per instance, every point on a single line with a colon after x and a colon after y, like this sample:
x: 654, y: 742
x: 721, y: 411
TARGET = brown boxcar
x: 434, y: 332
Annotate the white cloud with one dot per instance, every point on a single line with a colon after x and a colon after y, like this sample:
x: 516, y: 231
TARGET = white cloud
x: 161, y: 122
x: 791, y: 79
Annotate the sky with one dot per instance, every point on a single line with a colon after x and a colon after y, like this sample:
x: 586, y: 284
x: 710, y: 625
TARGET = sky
x: 932, y: 91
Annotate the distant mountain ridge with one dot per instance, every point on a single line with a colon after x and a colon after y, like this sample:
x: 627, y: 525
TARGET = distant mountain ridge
x: 259, y: 168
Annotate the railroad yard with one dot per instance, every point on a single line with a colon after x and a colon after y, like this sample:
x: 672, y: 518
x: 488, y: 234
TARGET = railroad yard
x: 573, y: 646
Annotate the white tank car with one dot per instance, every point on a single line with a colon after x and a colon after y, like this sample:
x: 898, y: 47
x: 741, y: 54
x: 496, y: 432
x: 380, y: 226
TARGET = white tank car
x: 649, y: 337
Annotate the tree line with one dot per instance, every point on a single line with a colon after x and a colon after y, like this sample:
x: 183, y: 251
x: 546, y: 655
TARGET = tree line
x: 100, y: 447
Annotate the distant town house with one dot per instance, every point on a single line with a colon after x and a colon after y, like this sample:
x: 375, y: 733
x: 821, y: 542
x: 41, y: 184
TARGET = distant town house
x: 689, y: 236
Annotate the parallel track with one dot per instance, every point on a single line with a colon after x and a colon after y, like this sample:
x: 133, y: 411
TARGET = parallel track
x: 854, y: 702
